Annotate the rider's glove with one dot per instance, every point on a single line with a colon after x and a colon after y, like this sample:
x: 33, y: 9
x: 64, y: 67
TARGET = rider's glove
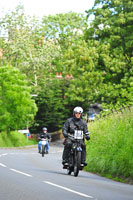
x: 72, y: 139
x: 65, y: 135
x: 87, y: 137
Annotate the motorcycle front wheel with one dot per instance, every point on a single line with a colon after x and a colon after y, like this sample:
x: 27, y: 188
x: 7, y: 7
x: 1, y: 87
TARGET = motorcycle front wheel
x: 69, y: 171
x: 77, y: 163
x: 43, y: 150
x: 76, y: 170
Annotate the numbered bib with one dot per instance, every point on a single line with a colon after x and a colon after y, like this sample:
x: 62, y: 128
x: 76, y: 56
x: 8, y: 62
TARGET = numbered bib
x: 78, y: 134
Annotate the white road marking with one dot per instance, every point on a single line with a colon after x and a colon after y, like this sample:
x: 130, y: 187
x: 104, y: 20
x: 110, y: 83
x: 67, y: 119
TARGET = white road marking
x: 4, y: 154
x: 21, y: 153
x: 50, y: 183
x: 2, y: 165
x: 64, y: 188
x: 20, y: 172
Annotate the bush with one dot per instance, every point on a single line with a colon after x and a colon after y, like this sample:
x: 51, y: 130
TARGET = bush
x: 14, y: 139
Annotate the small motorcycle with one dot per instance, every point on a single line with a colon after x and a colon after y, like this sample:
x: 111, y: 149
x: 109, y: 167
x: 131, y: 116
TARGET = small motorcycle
x: 74, y: 162
x: 43, y: 146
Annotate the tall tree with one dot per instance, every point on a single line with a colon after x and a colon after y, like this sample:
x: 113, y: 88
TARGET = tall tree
x: 26, y: 47
x: 112, y: 27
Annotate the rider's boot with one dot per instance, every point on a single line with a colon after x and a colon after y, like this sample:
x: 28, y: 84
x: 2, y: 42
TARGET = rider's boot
x: 83, y: 163
x: 65, y: 162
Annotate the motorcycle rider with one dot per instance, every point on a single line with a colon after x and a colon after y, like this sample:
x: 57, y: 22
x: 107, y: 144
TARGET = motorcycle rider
x: 75, y: 122
x: 45, y: 135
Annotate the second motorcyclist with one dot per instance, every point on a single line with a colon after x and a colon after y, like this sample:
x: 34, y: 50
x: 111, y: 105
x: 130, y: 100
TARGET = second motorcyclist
x: 44, y: 135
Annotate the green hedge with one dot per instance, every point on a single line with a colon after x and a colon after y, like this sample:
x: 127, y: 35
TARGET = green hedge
x: 14, y: 139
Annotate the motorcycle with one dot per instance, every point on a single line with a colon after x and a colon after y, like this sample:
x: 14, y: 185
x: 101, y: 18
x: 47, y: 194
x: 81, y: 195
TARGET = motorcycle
x: 74, y: 162
x: 43, y: 146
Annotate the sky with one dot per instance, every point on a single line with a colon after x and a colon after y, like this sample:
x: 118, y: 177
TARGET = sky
x: 40, y: 8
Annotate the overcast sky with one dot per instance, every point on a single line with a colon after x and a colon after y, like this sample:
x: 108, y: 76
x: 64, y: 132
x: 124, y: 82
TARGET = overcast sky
x: 40, y: 8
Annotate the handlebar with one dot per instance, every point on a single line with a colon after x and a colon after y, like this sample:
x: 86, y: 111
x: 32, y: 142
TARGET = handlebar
x: 77, y: 138
x: 45, y: 139
x: 70, y: 135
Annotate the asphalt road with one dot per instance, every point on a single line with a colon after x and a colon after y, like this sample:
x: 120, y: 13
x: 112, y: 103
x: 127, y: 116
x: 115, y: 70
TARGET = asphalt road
x: 25, y: 175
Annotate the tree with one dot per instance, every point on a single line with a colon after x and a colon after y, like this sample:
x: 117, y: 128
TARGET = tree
x: 98, y: 56
x: 25, y: 46
x: 112, y: 29
x: 113, y: 24
x: 17, y: 108
x: 51, y: 107
x: 63, y: 27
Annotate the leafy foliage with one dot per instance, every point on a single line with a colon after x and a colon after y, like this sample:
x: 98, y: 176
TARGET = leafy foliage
x: 14, y: 139
x: 112, y: 28
x: 97, y: 54
x: 17, y: 109
x: 51, y: 108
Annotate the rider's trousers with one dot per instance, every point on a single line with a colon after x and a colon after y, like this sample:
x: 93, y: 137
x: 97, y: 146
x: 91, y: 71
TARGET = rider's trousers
x: 40, y: 143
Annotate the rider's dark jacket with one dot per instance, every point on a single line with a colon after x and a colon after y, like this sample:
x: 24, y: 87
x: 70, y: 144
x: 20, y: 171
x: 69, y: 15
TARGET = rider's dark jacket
x: 73, y: 123
x: 45, y: 135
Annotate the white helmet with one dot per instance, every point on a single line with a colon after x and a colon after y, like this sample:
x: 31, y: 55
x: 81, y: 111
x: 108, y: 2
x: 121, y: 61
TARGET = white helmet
x: 44, y: 129
x: 77, y: 110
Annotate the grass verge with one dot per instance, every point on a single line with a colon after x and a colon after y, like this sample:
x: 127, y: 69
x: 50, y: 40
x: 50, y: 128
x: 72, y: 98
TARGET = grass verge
x: 110, y: 150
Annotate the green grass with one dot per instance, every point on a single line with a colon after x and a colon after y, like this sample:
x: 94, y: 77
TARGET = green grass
x: 14, y: 139
x: 110, y: 150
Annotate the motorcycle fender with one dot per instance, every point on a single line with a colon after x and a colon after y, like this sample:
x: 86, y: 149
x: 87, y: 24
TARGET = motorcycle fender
x: 43, y: 142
